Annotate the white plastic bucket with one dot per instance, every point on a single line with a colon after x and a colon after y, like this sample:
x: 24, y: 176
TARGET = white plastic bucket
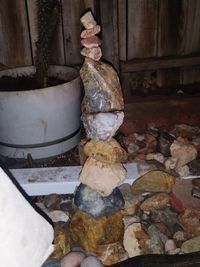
x: 43, y: 122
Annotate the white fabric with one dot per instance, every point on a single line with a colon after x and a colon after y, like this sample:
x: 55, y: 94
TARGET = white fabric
x: 25, y: 236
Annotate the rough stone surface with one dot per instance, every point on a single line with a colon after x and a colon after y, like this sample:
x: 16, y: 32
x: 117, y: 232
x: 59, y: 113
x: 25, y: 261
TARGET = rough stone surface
x: 154, y: 181
x: 102, y: 177
x: 156, y: 156
x: 91, y: 42
x: 131, y: 200
x: 90, y: 32
x: 156, y: 244
x: 111, y: 253
x: 105, y: 151
x: 51, y: 201
x: 102, y: 126
x: 89, y: 232
x: 157, y: 201
x: 183, y: 151
x: 135, y: 240
x: 72, y: 259
x: 170, y: 245
x: 102, y: 87
x: 87, y: 20
x: 191, y: 245
x: 58, y: 216
x: 164, y: 142
x: 90, y: 201
x: 92, y: 53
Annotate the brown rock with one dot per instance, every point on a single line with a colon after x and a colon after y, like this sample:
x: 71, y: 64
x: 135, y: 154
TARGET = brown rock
x: 102, y: 88
x: 154, y: 181
x: 190, y: 223
x: 105, y: 151
x: 89, y: 232
x: 157, y: 201
x: 90, y: 32
x: 135, y: 241
x: 61, y: 242
x: 91, y: 42
x: 102, y: 177
x: 87, y: 20
x: 93, y: 53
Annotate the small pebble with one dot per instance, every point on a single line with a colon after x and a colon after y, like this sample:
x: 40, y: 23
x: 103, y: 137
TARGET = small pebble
x: 72, y: 259
x: 91, y: 261
x: 170, y: 245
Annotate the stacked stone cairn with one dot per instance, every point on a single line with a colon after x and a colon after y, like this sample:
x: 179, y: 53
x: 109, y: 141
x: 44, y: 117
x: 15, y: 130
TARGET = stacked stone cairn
x: 98, y: 220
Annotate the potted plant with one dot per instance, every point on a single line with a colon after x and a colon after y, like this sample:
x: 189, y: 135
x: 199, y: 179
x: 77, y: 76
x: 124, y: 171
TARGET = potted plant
x: 41, y: 116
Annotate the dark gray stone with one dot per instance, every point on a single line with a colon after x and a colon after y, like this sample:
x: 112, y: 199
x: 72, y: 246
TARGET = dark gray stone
x: 51, y: 263
x: 91, y: 202
x: 164, y: 142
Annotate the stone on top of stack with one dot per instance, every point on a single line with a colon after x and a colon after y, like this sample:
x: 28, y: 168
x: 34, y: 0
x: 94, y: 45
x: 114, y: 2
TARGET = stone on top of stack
x: 98, y: 197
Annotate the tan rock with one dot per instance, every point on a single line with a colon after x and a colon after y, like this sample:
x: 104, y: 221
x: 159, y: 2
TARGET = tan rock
x: 154, y: 181
x: 157, y: 201
x: 105, y: 151
x: 87, y: 20
x: 90, y: 232
x: 61, y: 241
x: 90, y: 32
x: 94, y: 53
x: 102, y: 177
x: 135, y: 241
x: 111, y: 253
x: 183, y: 151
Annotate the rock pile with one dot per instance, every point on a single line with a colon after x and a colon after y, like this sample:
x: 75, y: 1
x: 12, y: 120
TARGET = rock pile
x: 98, y: 221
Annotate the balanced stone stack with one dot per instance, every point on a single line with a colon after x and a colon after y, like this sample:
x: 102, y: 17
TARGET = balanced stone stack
x: 98, y: 219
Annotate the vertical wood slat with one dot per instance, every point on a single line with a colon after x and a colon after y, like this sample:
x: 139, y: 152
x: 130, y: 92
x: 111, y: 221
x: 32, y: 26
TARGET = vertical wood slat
x: 142, y: 28
x: 15, y: 44
x: 190, y: 42
x: 169, y: 27
x: 122, y: 23
x: 109, y: 31
x: 57, y: 47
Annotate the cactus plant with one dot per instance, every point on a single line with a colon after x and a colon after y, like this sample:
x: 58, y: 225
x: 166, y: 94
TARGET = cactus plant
x: 48, y: 17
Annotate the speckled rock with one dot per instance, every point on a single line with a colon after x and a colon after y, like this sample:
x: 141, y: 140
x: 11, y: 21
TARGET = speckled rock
x: 105, y: 151
x: 102, y: 126
x: 154, y: 181
x: 111, y: 253
x: 93, y: 53
x: 90, y: 232
x: 135, y: 240
x: 157, y: 201
x: 102, y: 87
x: 52, y: 201
x: 156, y: 245
x: 90, y: 201
x: 131, y: 200
x: 90, y: 32
x: 183, y: 151
x: 102, y: 177
x: 87, y: 20
x: 191, y: 245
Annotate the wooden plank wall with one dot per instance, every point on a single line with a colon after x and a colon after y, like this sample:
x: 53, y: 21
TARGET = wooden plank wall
x: 131, y: 29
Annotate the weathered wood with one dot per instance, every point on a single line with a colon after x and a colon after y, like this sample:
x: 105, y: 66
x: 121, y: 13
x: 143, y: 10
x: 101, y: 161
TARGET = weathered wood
x: 108, y: 19
x: 15, y: 44
x: 122, y: 21
x: 142, y: 28
x: 159, y: 63
x: 190, y: 38
x: 57, y: 47
x: 72, y: 11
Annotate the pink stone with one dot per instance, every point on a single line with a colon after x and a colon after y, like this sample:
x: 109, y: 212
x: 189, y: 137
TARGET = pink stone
x: 94, y: 53
x: 90, y: 32
x: 88, y: 20
x: 91, y: 42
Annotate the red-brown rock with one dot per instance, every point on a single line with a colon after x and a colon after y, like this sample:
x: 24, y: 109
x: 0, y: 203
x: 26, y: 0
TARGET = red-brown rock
x: 91, y: 42
x: 90, y: 32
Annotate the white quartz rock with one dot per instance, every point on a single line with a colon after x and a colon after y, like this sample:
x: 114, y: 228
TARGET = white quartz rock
x: 102, y: 126
x: 102, y: 177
